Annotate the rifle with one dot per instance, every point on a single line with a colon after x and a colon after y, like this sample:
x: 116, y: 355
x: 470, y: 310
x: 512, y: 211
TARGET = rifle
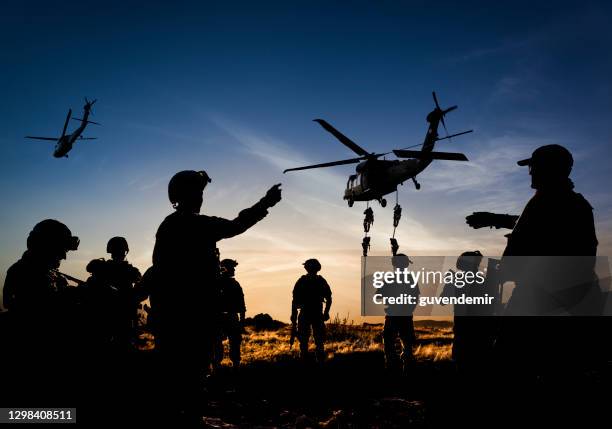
x: 69, y: 278
x: 293, y: 334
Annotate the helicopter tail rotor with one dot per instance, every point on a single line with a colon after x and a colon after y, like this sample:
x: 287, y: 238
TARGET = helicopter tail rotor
x: 89, y: 104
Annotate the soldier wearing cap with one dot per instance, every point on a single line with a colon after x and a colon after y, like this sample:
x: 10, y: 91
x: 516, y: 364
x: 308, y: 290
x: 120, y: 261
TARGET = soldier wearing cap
x: 557, y: 221
x: 185, y: 297
x: 310, y: 292
x: 233, y: 312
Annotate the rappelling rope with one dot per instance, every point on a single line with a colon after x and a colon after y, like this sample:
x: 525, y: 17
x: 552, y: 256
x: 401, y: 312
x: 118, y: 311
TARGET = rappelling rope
x: 397, y: 215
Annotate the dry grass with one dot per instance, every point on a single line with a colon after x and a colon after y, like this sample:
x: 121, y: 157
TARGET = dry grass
x: 344, y: 337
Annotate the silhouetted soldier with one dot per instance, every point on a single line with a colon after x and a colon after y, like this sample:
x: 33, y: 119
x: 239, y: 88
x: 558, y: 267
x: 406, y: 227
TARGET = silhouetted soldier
x: 98, y: 299
x: 42, y: 309
x: 309, y: 293
x: 398, y: 319
x: 233, y: 311
x: 185, y: 299
x: 556, y: 222
x: 472, y: 326
x: 122, y: 276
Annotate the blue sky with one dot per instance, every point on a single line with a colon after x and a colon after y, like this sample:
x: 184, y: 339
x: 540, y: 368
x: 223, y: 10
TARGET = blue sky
x: 233, y: 87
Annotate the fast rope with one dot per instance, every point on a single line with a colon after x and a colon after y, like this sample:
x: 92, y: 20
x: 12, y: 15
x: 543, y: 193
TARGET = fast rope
x: 397, y: 215
x: 365, y: 245
x: 368, y: 220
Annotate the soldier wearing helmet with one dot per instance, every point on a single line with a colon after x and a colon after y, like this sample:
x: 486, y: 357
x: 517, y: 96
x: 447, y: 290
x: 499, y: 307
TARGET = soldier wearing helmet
x: 557, y: 221
x: 122, y: 278
x: 42, y: 310
x: 309, y: 293
x: 233, y: 312
x: 186, y: 300
x: 398, y: 319
x: 32, y: 284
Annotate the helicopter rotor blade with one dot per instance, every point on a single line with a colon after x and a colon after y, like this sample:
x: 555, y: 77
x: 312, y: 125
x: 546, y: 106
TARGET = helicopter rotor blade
x: 443, y: 124
x: 51, y: 139
x: 328, y: 164
x: 342, y: 138
x: 454, y: 135
x: 66, y: 123
x: 447, y: 156
x: 89, y: 122
x: 436, y: 100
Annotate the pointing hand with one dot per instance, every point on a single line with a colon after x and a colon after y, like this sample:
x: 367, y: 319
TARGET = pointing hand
x: 273, y: 195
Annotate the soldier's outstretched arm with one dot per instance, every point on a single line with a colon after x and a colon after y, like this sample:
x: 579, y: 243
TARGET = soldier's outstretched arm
x: 248, y: 217
x: 481, y: 219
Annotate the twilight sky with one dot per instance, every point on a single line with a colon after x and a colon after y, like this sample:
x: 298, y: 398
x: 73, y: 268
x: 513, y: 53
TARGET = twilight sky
x: 232, y: 88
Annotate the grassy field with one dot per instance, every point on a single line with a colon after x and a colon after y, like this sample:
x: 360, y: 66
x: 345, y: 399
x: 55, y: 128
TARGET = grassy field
x: 434, y: 341
x: 275, y: 389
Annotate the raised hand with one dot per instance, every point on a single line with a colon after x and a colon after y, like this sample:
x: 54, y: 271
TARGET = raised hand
x: 273, y: 195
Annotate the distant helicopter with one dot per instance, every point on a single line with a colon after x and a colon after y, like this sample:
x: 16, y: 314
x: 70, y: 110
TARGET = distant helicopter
x: 376, y: 178
x: 65, y: 141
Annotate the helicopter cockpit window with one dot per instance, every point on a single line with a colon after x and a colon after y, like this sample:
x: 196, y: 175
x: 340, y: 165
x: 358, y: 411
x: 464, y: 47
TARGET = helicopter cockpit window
x: 351, y: 181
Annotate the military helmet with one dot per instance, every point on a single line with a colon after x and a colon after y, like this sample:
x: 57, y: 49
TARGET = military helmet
x: 49, y: 233
x: 469, y: 261
x: 400, y: 260
x: 229, y: 263
x: 117, y: 244
x: 185, y: 184
x: 312, y: 264
x: 552, y: 157
x: 96, y: 266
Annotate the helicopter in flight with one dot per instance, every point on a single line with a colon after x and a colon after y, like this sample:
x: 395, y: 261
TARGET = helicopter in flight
x: 376, y: 178
x: 64, y: 143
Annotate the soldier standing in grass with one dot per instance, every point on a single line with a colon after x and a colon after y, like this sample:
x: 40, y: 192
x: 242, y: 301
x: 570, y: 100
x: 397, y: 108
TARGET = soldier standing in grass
x: 398, y: 319
x: 233, y: 312
x: 309, y: 294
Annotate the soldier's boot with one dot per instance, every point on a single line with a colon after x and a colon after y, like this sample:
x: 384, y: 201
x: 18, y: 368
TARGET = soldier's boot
x: 320, y: 354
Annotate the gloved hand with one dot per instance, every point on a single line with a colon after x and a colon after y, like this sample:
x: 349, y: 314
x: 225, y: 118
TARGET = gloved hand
x: 325, y: 316
x: 273, y: 196
x: 481, y: 219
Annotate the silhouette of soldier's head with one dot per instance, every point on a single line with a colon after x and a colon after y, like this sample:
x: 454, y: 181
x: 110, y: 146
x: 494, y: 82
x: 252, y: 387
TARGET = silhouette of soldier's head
x: 228, y: 267
x: 549, y: 166
x: 401, y: 261
x: 312, y: 266
x: 96, y: 267
x: 469, y: 261
x: 49, y: 241
x: 185, y: 190
x: 118, y: 248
